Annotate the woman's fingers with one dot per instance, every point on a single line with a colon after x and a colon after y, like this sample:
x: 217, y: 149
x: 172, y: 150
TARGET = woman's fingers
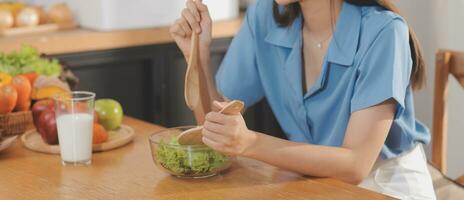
x: 186, y: 14
x: 194, y: 18
x: 177, y: 29
x: 204, y: 12
x: 214, y: 117
x: 222, y: 124
x: 193, y: 9
x: 214, y: 127
x: 201, y: 6
x: 220, y: 118
x: 214, y: 145
x: 214, y: 136
x: 185, y: 26
x: 218, y: 146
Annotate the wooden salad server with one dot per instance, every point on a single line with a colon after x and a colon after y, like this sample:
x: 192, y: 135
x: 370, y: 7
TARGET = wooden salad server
x: 194, y: 136
x: 196, y: 92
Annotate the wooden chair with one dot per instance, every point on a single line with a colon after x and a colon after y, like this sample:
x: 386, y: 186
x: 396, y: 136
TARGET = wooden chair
x: 447, y: 62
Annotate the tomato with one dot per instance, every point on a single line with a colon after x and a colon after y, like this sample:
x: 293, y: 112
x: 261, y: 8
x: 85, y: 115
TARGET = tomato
x: 99, y: 134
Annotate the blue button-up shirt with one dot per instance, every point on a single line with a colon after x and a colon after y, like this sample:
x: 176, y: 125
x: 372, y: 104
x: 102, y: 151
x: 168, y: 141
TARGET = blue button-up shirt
x: 368, y: 62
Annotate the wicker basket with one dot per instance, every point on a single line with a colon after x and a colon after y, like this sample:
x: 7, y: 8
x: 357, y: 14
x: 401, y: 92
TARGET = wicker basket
x: 15, y: 124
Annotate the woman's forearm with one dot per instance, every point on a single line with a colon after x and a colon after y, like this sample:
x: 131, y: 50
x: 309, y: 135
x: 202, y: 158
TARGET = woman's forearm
x: 352, y: 162
x: 312, y: 160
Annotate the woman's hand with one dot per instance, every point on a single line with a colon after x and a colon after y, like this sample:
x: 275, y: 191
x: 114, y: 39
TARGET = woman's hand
x: 195, y: 18
x: 227, y: 134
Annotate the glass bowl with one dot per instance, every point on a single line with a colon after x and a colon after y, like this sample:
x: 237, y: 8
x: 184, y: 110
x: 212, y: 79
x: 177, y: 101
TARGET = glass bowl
x: 185, y: 161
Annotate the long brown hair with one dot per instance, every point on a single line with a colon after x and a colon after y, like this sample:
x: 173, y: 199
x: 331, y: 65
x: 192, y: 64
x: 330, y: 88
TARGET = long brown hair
x: 289, y: 13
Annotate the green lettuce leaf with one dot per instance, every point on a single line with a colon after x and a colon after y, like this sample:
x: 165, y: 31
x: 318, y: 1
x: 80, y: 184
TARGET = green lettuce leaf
x: 28, y: 59
x: 184, y: 160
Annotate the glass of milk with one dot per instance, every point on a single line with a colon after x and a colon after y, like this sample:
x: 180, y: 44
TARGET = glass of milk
x: 74, y: 119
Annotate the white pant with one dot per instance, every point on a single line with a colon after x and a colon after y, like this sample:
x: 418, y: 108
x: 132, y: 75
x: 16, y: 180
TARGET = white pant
x: 403, y: 177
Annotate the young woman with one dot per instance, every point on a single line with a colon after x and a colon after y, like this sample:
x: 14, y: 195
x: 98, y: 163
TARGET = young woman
x: 338, y: 75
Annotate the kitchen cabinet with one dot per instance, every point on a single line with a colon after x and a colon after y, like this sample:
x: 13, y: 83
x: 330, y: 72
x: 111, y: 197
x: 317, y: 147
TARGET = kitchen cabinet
x: 149, y: 83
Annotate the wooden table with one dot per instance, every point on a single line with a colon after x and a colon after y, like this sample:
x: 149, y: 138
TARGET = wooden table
x: 129, y: 173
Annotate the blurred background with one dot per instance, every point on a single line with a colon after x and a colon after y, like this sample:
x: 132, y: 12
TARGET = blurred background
x: 439, y: 25
x: 122, y: 50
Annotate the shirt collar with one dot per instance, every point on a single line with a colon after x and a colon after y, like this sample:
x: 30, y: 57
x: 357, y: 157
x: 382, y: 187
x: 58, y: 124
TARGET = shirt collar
x: 285, y: 36
x: 344, y: 44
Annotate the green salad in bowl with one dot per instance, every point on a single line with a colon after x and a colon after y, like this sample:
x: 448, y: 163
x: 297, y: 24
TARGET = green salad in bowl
x: 196, y: 161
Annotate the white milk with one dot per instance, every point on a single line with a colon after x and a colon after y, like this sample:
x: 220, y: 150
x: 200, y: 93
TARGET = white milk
x: 75, y: 136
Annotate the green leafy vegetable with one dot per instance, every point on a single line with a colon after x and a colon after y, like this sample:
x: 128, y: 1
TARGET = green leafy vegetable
x: 188, y: 161
x: 28, y: 59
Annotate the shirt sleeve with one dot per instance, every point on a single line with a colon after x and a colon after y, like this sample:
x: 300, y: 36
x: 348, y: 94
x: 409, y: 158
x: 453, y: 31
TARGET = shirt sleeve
x: 237, y: 77
x: 385, y: 69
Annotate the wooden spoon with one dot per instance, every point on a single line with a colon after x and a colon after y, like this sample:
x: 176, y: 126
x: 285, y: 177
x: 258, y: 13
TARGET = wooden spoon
x: 196, y: 92
x: 194, y: 136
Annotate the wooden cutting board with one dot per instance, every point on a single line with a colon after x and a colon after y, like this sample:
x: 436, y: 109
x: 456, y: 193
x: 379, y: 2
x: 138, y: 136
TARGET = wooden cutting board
x: 117, y: 138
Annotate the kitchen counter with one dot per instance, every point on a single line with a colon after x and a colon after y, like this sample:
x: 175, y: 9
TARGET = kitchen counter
x: 129, y: 173
x: 83, y: 40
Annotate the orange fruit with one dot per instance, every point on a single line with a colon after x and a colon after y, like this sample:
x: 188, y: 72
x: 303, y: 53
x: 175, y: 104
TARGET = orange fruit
x: 99, y: 134
x: 8, y: 98
x: 23, y: 87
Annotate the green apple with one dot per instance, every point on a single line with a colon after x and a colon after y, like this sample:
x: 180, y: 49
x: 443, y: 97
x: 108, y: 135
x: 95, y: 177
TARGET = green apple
x: 109, y: 113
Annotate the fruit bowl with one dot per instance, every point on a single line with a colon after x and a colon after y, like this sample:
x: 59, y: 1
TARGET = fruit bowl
x: 185, y: 161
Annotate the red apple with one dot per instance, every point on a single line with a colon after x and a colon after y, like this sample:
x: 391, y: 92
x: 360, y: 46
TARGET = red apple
x: 47, y: 127
x: 39, y: 107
